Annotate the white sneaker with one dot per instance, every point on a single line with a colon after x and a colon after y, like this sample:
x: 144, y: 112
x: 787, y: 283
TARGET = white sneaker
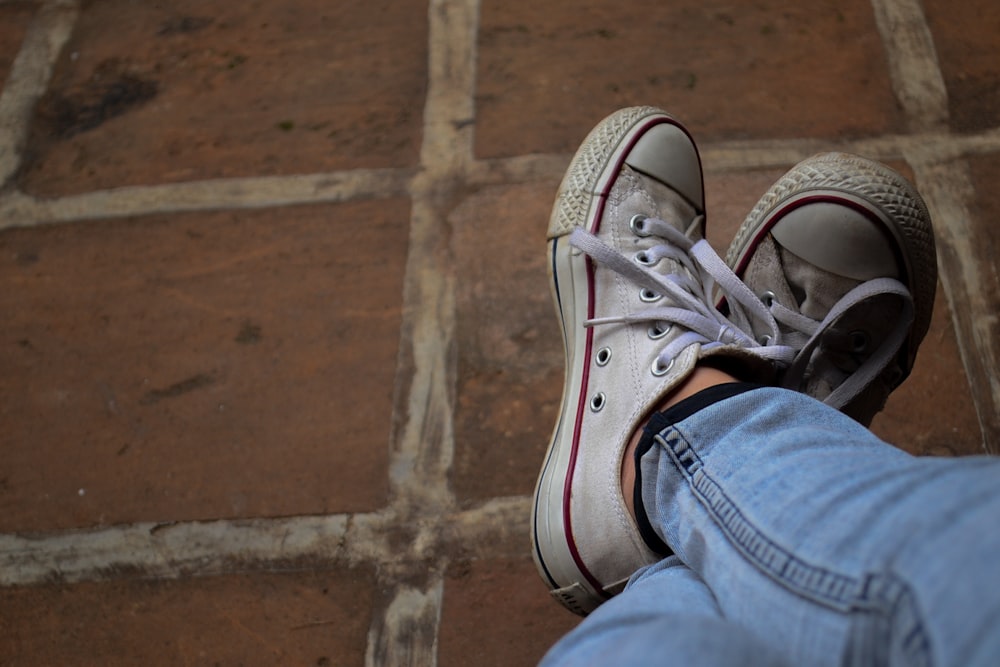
x: 841, y: 249
x: 634, y: 283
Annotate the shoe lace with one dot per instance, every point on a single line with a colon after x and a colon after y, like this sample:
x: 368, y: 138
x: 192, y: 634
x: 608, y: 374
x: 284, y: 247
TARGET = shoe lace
x: 700, y: 279
x: 696, y: 276
x: 806, y: 335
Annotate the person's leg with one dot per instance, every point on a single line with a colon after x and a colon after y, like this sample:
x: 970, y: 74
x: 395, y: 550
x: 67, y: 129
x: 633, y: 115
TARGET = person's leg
x: 666, y: 616
x: 821, y: 540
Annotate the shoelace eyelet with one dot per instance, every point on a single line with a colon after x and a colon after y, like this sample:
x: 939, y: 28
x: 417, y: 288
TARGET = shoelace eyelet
x: 659, y: 370
x: 638, y: 225
x: 658, y: 331
x: 649, y: 296
x: 603, y: 356
x: 859, y: 341
x: 642, y: 258
x: 768, y: 298
x: 598, y: 402
x: 765, y: 339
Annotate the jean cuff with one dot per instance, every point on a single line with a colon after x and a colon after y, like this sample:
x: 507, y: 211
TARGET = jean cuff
x: 657, y: 423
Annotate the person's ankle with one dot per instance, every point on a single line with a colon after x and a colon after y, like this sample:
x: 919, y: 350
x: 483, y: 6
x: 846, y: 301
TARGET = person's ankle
x: 700, y: 379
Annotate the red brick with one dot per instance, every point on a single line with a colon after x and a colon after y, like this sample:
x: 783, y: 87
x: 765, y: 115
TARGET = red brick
x: 510, y: 357
x: 729, y: 197
x: 151, y: 93
x: 14, y: 20
x: 547, y: 72
x: 315, y: 618
x: 965, y: 40
x: 199, y: 366
x: 498, y: 612
x: 932, y: 411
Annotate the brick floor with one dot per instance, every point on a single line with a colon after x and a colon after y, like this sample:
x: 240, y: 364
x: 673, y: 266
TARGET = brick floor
x: 509, y: 351
x: 547, y: 71
x: 198, y: 366
x: 231, y: 91
x: 308, y: 618
x: 14, y: 20
x: 964, y: 39
x: 493, y: 615
x: 278, y: 362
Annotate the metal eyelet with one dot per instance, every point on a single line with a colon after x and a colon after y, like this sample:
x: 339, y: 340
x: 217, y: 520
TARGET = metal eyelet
x: 649, y: 296
x: 765, y: 339
x: 768, y: 298
x: 603, y: 356
x: 658, y: 331
x: 859, y: 341
x: 642, y: 258
x: 638, y: 226
x: 659, y: 370
x: 598, y: 402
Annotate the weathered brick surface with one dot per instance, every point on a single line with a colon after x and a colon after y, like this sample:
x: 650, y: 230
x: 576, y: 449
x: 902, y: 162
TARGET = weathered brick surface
x: 932, y: 413
x: 150, y: 93
x: 510, y: 363
x: 986, y: 209
x: 309, y: 618
x: 497, y: 612
x: 14, y: 19
x: 549, y: 71
x: 201, y: 366
x: 965, y: 39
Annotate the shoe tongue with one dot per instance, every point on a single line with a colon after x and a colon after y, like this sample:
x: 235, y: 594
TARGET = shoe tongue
x: 766, y: 274
x: 850, y: 339
x: 796, y: 282
x: 659, y: 200
x: 814, y: 290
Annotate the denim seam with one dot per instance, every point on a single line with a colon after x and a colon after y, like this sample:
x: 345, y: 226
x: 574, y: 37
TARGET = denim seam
x: 886, y: 595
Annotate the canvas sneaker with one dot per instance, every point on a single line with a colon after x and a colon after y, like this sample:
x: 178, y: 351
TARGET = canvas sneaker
x: 841, y: 251
x: 633, y: 282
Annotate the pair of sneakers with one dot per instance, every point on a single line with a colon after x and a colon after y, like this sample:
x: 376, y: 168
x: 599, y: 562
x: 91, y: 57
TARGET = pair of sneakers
x: 827, y: 289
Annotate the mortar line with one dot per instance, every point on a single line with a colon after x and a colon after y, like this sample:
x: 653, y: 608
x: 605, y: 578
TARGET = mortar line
x: 410, y: 624
x: 423, y: 450
x: 913, y: 65
x: 18, y: 210
x: 947, y: 188
x: 919, y: 86
x: 423, y: 447
x: 29, y: 77
x: 157, y: 550
x: 767, y: 154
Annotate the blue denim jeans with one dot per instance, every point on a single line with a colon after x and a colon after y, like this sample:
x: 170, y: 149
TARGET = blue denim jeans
x: 799, y: 538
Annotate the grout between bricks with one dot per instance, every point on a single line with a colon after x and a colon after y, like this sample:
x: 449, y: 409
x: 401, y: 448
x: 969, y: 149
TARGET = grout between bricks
x: 29, y: 77
x: 945, y: 184
x: 408, y: 610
